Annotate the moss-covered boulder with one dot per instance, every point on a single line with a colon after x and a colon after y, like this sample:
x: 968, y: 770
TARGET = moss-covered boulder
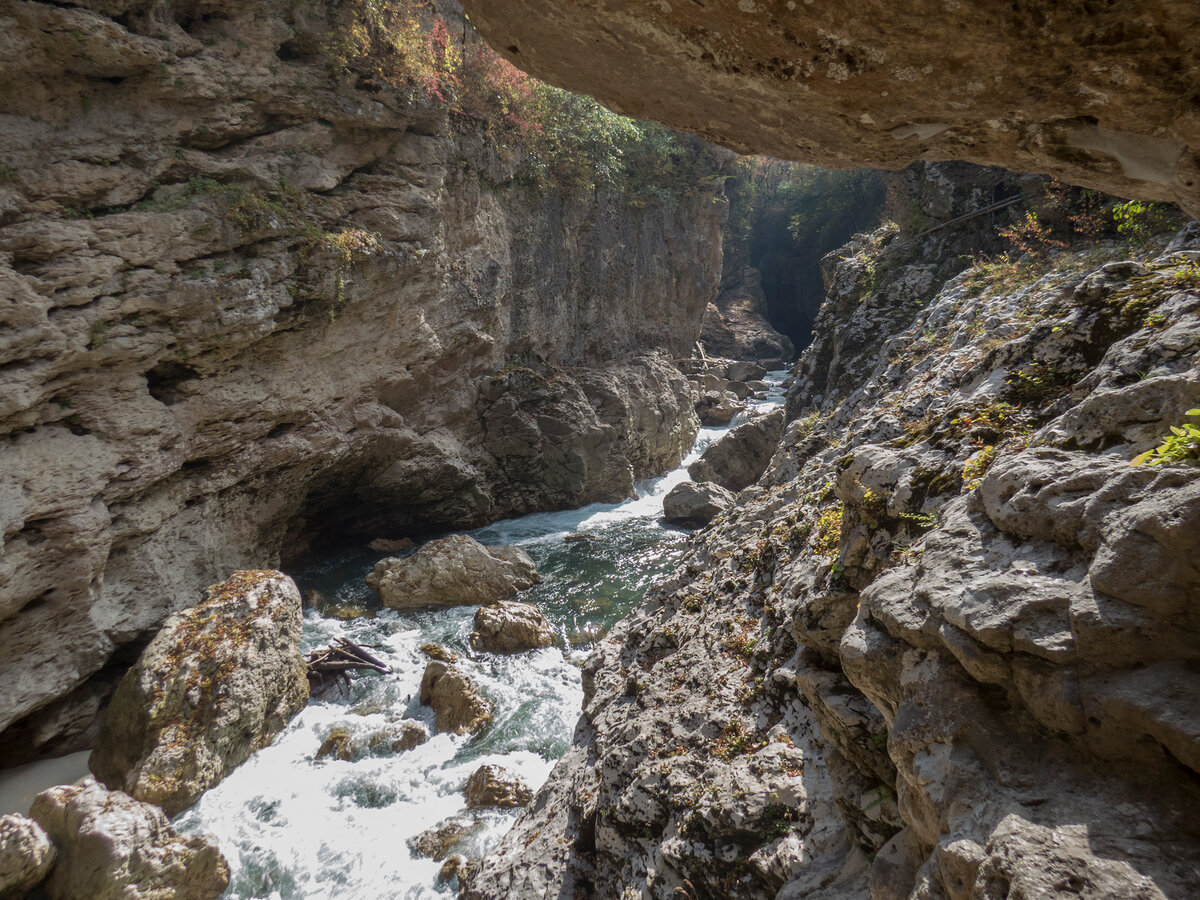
x: 218, y: 682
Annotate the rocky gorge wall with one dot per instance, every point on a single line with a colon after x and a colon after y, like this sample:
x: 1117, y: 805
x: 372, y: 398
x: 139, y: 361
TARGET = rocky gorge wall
x: 249, y: 297
x: 946, y: 646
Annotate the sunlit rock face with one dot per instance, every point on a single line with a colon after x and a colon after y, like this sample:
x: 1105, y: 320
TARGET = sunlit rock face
x: 1094, y: 93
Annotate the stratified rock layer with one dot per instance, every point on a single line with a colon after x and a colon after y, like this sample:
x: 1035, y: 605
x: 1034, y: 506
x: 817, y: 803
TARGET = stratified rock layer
x: 112, y: 847
x: 1096, y: 94
x: 218, y: 682
x: 250, y: 296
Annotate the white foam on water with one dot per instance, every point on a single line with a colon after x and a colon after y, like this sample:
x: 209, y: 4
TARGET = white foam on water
x: 297, y: 828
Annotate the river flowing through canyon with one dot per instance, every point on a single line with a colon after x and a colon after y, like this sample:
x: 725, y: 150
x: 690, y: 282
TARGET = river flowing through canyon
x: 294, y: 826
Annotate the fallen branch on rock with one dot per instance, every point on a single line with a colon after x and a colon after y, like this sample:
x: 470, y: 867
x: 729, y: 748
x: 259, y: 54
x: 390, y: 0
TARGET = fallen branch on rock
x: 335, y: 662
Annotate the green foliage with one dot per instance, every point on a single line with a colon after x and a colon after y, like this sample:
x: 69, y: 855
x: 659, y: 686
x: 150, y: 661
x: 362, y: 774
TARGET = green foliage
x: 828, y: 531
x: 1180, y: 447
x: 977, y: 467
x: 1140, y: 221
x: 98, y: 333
x: 566, y: 140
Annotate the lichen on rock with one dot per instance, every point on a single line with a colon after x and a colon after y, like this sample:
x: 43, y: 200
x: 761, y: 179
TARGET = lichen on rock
x: 218, y: 682
x: 452, y: 571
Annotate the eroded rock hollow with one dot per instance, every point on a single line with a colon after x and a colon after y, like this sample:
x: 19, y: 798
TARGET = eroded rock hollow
x: 1100, y: 94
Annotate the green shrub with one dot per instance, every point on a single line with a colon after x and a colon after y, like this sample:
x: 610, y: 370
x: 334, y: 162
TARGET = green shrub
x: 1180, y: 447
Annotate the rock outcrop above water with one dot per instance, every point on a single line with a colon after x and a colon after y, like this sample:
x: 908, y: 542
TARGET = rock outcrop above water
x: 26, y: 856
x: 492, y: 787
x: 252, y: 296
x: 944, y: 646
x: 112, y: 847
x: 1093, y: 95
x: 452, y: 571
x: 739, y: 459
x: 457, y: 703
x: 510, y: 626
x: 218, y: 682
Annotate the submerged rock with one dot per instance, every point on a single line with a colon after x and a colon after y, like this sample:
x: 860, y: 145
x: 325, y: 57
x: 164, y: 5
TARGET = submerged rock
x: 383, y: 545
x: 347, y: 745
x: 112, y: 847
x: 441, y: 841
x: 218, y: 682
x: 510, y: 626
x: 459, y: 706
x: 492, y: 787
x: 26, y: 856
x: 739, y: 459
x: 452, y: 571
x: 436, y: 651
x: 695, y: 504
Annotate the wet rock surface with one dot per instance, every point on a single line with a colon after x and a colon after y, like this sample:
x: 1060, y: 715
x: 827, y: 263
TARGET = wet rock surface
x: 872, y: 84
x: 455, y: 700
x: 112, y: 847
x: 452, y: 571
x: 218, y: 682
x: 26, y: 856
x: 492, y: 787
x: 511, y: 627
x: 943, y: 646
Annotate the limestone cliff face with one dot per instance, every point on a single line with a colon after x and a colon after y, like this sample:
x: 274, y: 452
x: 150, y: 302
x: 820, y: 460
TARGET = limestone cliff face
x: 247, y: 297
x: 1097, y: 94
x: 946, y: 647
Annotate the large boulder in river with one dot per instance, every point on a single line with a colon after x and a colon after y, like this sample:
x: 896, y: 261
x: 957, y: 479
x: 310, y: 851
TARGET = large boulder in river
x: 739, y: 459
x: 112, y: 847
x: 452, y: 571
x: 455, y: 700
x: 218, y: 682
x: 509, y: 626
x: 695, y: 504
x: 717, y: 408
x: 26, y: 856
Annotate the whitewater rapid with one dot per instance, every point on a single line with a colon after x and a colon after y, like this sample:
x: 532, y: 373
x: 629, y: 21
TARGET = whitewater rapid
x: 295, y: 827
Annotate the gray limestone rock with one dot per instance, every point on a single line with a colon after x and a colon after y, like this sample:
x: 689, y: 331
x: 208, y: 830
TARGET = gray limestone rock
x: 509, y: 626
x: 112, y: 847
x: 452, y: 571
x: 26, y: 856
x: 695, y: 504
x: 218, y: 682
x: 739, y: 458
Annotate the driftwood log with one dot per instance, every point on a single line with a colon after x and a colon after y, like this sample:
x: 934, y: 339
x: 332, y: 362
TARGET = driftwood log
x: 334, y: 664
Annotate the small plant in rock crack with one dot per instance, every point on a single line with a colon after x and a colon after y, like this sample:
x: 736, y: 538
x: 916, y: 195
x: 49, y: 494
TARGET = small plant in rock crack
x: 1180, y: 447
